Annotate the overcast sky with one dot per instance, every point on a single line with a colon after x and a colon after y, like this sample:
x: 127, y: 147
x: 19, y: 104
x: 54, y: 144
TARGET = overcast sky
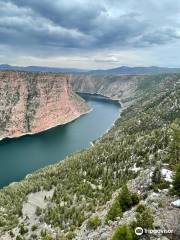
x: 90, y: 34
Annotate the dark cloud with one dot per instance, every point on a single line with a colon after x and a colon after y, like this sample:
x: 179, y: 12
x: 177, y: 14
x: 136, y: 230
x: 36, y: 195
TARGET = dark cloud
x: 24, y: 28
x: 47, y: 26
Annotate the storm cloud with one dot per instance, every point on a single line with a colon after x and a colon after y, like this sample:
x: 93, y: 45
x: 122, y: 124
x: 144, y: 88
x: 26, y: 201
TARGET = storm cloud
x: 63, y: 29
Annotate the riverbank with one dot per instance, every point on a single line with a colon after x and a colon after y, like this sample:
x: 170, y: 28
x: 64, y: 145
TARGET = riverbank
x: 69, y: 121
x: 121, y: 108
x: 54, y: 126
x: 87, y: 181
x: 27, y: 154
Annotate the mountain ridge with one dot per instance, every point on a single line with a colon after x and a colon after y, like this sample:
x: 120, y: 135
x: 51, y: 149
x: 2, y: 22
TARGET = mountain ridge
x: 110, y: 71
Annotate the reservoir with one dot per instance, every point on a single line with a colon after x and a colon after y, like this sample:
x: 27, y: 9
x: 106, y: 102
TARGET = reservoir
x: 21, y: 156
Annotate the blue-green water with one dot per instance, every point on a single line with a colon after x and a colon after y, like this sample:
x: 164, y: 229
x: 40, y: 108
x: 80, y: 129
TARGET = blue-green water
x: 23, y: 155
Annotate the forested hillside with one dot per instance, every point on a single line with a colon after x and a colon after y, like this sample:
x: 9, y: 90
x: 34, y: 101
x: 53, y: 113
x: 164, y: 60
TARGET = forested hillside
x: 104, y: 192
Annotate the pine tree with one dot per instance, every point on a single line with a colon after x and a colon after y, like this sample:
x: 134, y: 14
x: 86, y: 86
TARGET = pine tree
x: 156, y: 177
x: 176, y: 181
x: 125, y: 198
x: 114, y: 211
x: 123, y: 232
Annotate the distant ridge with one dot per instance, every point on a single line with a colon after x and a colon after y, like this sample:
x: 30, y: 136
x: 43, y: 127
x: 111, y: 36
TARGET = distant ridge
x: 39, y: 69
x: 112, y: 71
x: 134, y: 70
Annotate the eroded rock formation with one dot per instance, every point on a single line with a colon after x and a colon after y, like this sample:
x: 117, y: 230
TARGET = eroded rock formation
x: 34, y: 102
x: 121, y: 87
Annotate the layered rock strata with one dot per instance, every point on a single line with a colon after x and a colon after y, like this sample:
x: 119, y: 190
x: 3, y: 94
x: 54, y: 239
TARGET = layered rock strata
x: 119, y: 87
x: 33, y: 102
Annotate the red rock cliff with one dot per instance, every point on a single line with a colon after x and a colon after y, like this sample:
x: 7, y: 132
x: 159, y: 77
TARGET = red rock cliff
x: 34, y: 102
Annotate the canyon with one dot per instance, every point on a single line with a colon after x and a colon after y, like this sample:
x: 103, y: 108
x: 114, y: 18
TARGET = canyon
x: 82, y: 197
x: 34, y: 102
x: 117, y: 87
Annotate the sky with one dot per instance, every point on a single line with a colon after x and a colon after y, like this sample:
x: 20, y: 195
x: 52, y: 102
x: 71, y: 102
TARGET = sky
x: 90, y: 34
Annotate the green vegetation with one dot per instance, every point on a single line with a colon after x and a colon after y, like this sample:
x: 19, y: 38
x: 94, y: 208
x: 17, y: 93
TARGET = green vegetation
x: 19, y: 237
x: 156, y: 177
x: 123, y: 232
x: 140, y: 208
x: 23, y: 230
x: 176, y: 182
x: 38, y: 211
x: 114, y: 211
x: 124, y: 201
x: 34, y: 227
x: 147, y: 133
x: 93, y: 222
x: 144, y: 218
x: 157, y: 181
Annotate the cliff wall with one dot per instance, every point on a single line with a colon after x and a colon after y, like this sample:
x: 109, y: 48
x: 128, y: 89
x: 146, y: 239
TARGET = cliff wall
x: 34, y: 102
x: 121, y: 87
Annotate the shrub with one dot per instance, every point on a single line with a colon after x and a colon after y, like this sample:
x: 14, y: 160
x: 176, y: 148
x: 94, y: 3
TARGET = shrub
x: 154, y: 187
x: 34, y: 236
x: 34, y: 227
x: 63, y: 237
x: 140, y: 208
x: 135, y: 198
x: 11, y: 234
x: 145, y: 195
x: 122, y: 203
x: 163, y: 184
x: 123, y: 232
x: 70, y: 235
x: 23, y: 230
x: 125, y: 198
x: 38, y: 211
x: 145, y: 219
x: 47, y: 237
x: 176, y: 181
x: 93, y: 222
x: 156, y: 176
x: 19, y: 237
x: 114, y: 211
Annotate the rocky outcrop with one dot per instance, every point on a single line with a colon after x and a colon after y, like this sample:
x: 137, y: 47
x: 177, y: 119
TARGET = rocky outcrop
x: 119, y: 87
x: 166, y: 216
x: 34, y: 102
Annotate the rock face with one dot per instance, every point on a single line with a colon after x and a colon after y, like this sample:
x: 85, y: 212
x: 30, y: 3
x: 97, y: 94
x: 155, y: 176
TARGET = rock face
x: 34, y: 102
x: 121, y: 87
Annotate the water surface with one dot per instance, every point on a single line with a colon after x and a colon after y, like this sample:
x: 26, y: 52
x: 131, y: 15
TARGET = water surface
x: 23, y: 155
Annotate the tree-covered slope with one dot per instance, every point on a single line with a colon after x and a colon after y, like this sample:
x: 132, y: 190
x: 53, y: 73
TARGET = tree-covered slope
x: 85, y: 183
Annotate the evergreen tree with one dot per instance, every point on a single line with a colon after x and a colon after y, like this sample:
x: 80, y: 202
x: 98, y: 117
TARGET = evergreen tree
x: 156, y: 177
x: 175, y: 145
x: 176, y: 181
x: 123, y: 232
x: 93, y: 222
x: 114, y: 211
x: 145, y: 219
x: 125, y: 198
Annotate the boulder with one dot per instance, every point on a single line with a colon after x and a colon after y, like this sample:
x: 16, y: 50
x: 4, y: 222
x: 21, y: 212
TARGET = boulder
x: 176, y: 203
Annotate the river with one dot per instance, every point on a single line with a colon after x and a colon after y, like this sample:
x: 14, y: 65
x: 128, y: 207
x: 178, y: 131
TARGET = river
x: 21, y: 156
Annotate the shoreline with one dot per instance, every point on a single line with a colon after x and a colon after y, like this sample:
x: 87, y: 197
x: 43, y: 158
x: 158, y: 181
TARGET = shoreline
x: 61, y: 124
x: 61, y: 161
x: 122, y: 107
x: 34, y: 133
x: 118, y: 100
